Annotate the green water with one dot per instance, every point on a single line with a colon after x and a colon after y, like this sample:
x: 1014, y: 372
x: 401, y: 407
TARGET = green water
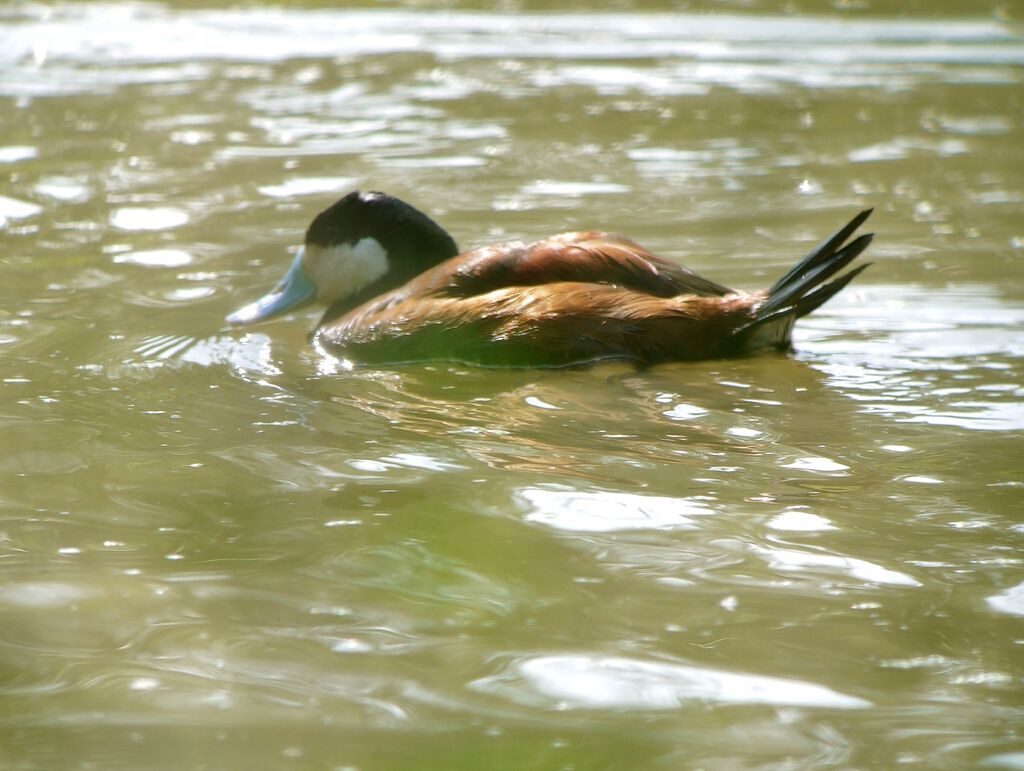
x: 218, y: 551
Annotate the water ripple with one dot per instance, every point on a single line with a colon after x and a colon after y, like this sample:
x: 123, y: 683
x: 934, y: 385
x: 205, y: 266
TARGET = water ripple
x: 607, y: 512
x: 747, y: 52
x: 610, y: 682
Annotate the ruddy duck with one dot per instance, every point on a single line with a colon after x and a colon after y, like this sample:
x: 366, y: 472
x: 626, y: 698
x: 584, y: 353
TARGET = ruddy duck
x: 398, y: 290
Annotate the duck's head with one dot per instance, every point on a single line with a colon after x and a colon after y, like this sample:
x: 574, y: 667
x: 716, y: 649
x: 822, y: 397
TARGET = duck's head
x: 363, y: 245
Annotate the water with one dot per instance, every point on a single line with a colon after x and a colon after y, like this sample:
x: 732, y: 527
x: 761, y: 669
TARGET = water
x: 219, y: 551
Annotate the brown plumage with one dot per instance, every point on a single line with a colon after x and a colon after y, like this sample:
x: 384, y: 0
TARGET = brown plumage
x: 567, y: 299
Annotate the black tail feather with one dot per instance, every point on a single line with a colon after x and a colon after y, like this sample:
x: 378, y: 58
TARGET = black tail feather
x: 825, y: 292
x: 822, y: 252
x: 811, y: 273
x: 803, y: 290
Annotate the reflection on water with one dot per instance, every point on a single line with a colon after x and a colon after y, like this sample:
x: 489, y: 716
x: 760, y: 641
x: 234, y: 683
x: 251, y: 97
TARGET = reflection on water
x: 596, y: 683
x: 606, y: 512
x: 223, y: 550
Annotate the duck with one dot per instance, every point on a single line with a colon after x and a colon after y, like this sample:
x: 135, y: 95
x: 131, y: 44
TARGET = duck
x: 398, y: 290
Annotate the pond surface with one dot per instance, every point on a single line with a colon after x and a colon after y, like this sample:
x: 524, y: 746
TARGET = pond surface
x: 219, y: 551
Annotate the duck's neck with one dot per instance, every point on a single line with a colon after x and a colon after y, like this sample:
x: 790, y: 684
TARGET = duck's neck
x: 431, y: 249
x: 385, y: 284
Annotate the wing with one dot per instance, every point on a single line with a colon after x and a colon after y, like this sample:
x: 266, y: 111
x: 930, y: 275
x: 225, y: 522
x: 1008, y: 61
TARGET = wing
x: 586, y: 257
x: 550, y: 325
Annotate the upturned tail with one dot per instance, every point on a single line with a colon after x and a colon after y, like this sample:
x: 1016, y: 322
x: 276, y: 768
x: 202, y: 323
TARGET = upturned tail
x: 803, y: 288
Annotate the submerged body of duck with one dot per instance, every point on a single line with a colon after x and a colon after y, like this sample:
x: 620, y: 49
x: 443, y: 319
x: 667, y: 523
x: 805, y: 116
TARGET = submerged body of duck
x: 398, y: 290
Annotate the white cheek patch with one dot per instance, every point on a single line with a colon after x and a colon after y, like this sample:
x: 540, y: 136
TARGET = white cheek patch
x: 342, y: 270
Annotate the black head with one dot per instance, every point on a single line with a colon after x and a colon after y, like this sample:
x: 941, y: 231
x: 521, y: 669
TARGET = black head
x: 358, y: 248
x: 405, y: 233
